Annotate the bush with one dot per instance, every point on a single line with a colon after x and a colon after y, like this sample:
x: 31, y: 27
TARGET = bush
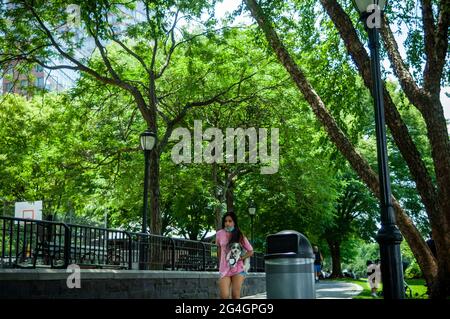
x: 413, y: 271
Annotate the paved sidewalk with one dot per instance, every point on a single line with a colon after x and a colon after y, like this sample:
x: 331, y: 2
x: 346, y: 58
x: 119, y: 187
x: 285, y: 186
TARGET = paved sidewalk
x: 327, y: 290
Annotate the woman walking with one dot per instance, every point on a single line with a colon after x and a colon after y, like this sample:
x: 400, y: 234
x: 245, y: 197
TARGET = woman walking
x: 233, y: 253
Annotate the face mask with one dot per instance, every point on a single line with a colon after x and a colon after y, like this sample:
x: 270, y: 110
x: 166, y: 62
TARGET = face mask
x: 229, y: 229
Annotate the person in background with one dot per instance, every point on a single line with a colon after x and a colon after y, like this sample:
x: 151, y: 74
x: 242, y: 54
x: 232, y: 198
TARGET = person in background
x: 318, y: 259
x: 231, y: 276
x: 373, y: 276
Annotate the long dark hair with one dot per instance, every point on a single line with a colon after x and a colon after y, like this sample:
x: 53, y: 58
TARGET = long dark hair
x: 236, y: 235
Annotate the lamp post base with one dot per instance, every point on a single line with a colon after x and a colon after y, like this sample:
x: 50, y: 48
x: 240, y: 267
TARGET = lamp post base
x: 389, y: 239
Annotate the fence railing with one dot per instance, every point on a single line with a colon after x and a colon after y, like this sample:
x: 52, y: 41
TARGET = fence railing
x: 26, y: 243
x: 29, y: 243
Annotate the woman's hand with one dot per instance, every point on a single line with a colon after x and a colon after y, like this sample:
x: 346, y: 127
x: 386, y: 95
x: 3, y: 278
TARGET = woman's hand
x: 246, y: 255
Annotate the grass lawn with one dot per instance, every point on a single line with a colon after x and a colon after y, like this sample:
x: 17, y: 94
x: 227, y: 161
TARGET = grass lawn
x: 417, y: 286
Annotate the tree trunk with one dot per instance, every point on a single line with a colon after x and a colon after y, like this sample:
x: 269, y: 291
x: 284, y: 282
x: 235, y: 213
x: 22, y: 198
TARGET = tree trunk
x: 358, y: 163
x: 335, y: 250
x: 155, y: 155
x: 216, y: 193
x: 441, y: 287
x: 155, y: 225
x: 440, y: 224
x: 230, y: 197
x: 429, y: 104
x: 440, y: 151
x: 440, y: 219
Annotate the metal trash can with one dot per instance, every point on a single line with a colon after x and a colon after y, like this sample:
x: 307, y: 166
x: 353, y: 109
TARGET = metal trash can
x: 289, y: 265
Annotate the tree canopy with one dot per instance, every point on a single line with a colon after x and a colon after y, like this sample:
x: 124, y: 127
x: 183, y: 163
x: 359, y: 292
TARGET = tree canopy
x: 302, y: 68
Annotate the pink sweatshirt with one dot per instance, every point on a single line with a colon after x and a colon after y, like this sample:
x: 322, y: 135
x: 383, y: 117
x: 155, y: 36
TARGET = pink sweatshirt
x: 222, y: 239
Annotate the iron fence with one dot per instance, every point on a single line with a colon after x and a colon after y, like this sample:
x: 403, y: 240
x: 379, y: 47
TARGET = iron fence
x: 28, y: 243
x: 94, y: 247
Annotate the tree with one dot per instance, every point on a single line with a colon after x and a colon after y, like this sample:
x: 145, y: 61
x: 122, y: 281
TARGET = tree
x: 192, y: 206
x: 32, y: 34
x: 355, y: 213
x: 424, y: 93
x: 46, y: 155
x: 301, y: 195
x: 436, y: 275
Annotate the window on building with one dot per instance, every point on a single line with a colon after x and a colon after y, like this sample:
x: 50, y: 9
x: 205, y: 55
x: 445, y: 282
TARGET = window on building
x: 23, y: 83
x: 40, y: 82
x: 9, y: 87
x: 39, y: 68
x: 9, y: 70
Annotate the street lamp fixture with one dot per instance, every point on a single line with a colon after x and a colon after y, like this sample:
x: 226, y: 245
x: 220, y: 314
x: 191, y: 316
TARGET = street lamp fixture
x: 363, y: 5
x: 148, y: 141
x: 252, y: 213
x: 388, y: 237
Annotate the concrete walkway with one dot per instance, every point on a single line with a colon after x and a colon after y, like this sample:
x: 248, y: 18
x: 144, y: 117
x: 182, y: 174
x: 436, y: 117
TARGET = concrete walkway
x: 327, y: 290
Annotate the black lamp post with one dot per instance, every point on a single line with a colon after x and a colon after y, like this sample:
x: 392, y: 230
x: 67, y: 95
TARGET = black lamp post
x: 388, y: 237
x: 252, y: 213
x: 148, y: 141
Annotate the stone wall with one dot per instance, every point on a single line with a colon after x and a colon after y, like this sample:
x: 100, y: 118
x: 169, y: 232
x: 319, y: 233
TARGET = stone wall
x: 118, y: 284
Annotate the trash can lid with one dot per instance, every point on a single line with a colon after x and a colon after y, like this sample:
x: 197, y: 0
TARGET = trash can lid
x: 288, y: 244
